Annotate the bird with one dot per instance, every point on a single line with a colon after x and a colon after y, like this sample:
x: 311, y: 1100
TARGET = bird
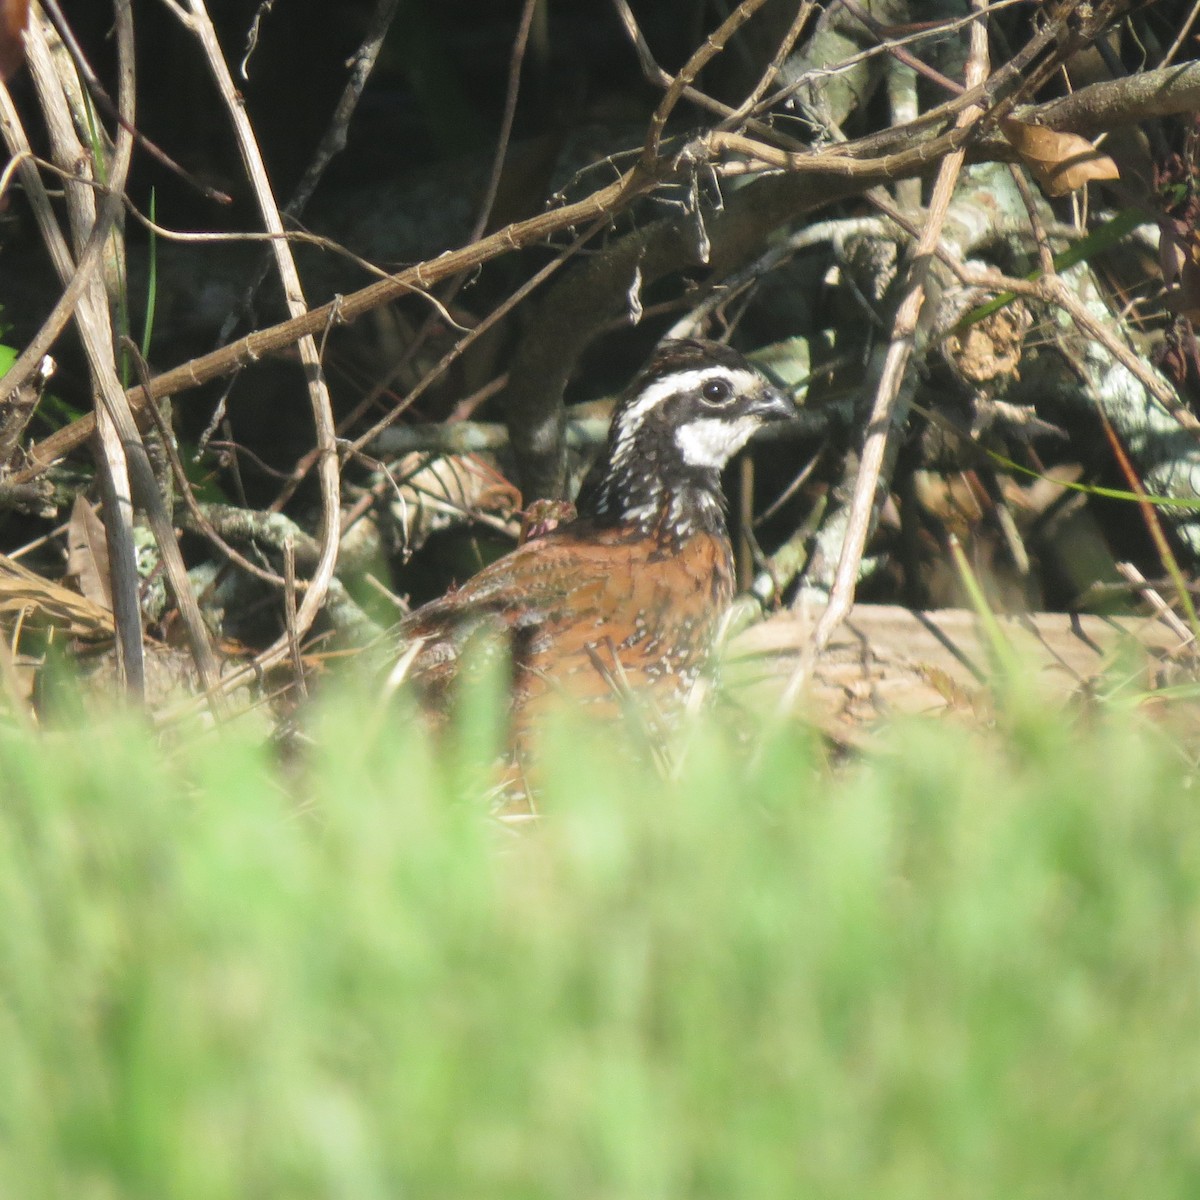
x: 624, y: 600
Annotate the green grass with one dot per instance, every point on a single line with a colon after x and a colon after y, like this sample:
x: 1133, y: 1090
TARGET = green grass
x: 963, y: 968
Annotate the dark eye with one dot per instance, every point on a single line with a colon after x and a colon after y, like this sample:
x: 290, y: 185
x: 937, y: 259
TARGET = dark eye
x: 717, y: 391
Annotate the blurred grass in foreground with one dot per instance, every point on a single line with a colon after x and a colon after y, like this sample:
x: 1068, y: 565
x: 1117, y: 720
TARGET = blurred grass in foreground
x: 963, y: 968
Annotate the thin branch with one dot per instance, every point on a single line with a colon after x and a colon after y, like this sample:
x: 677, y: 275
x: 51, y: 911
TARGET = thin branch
x: 200, y: 522
x: 255, y: 346
x: 899, y: 53
x: 442, y: 365
x: 506, y: 121
x: 477, y: 230
x: 843, y: 65
x: 655, y: 75
x: 332, y: 142
x: 890, y: 409
x: 29, y: 360
x: 291, y: 629
x: 91, y: 311
x: 10, y: 169
x: 898, y: 157
x: 105, y: 103
x: 713, y: 45
x: 141, y: 472
x: 225, y: 523
x: 1181, y: 36
x: 499, y: 312
x: 198, y: 23
x: 782, y: 51
x: 1053, y: 290
x: 149, y: 495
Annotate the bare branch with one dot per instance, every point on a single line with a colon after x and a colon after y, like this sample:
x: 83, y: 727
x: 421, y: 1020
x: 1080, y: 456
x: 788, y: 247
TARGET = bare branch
x: 889, y: 410
x: 713, y: 45
x: 200, y: 25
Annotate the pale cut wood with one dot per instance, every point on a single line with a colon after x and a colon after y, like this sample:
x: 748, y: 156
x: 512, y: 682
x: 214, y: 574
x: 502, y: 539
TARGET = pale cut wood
x: 886, y: 661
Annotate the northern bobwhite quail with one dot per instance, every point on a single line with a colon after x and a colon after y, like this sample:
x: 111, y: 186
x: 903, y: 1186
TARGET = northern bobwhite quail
x: 626, y: 597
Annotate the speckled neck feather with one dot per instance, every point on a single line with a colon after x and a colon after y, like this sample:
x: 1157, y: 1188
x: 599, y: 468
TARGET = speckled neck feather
x: 645, y: 478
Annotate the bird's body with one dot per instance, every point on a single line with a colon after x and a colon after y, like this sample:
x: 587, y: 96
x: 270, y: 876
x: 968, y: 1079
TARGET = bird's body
x: 626, y: 598
x: 589, y: 611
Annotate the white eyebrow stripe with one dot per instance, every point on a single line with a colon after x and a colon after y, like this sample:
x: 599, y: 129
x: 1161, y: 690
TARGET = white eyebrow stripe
x: 682, y: 381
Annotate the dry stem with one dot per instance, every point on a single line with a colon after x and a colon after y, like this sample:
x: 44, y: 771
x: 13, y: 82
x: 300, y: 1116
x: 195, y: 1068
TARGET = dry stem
x: 890, y: 408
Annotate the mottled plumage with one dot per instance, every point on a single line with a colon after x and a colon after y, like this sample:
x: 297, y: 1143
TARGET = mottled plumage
x: 629, y: 594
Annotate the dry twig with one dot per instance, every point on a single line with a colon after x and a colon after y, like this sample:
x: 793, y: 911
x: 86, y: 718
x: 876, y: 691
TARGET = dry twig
x: 195, y: 18
x: 890, y: 408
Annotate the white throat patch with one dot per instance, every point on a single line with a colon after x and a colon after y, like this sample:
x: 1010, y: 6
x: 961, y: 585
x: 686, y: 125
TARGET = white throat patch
x: 712, y: 441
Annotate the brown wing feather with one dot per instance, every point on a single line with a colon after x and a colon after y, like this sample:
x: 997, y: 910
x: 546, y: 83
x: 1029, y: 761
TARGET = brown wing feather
x: 578, y: 595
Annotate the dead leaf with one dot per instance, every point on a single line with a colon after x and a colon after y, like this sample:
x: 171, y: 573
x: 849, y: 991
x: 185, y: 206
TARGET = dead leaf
x: 991, y: 349
x: 1179, y: 256
x: 87, y: 554
x: 13, y: 17
x: 26, y: 597
x: 1060, y: 162
x: 450, y: 491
